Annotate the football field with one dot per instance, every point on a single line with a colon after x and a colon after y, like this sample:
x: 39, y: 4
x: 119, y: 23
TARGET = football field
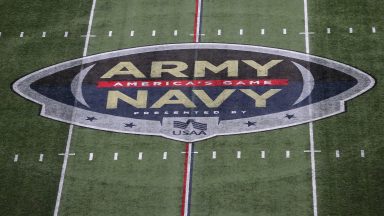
x: 331, y: 166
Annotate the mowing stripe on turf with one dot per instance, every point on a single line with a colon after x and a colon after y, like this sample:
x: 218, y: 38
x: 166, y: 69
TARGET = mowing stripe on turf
x: 70, y: 131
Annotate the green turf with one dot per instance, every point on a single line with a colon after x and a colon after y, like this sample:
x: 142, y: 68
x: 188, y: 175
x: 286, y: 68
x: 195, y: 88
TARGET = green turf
x: 128, y: 186
x: 141, y: 16
x: 29, y: 187
x: 351, y: 185
x: 125, y: 186
x: 275, y: 185
x: 252, y: 16
x: 251, y: 185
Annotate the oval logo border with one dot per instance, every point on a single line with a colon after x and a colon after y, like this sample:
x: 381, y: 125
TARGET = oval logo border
x: 73, y: 115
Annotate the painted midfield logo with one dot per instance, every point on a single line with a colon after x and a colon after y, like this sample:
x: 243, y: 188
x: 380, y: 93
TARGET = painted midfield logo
x: 194, y: 91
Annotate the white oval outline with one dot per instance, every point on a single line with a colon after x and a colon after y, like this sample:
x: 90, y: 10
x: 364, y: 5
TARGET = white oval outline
x: 22, y: 87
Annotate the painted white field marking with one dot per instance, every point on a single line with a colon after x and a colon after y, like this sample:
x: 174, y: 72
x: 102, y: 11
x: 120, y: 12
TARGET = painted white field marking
x: 188, y: 180
x: 191, y: 152
x: 21, y: 34
x: 262, y: 32
x: 328, y: 30
x: 262, y: 154
x: 373, y: 29
x: 306, y: 26
x: 241, y: 32
x: 69, y: 154
x: 287, y: 154
x: 0, y: 34
x: 362, y: 153
x: 196, y: 34
x: 284, y: 31
x: 63, y: 169
x: 310, y: 151
x: 132, y: 33
x: 85, y: 36
x: 196, y: 37
x: 303, y: 33
x: 219, y: 32
x: 115, y: 156
x: 238, y: 155
x: 313, y: 167
x: 16, y: 158
x: 311, y: 136
x: 153, y: 33
x: 69, y: 137
x: 165, y: 154
x: 44, y: 34
x: 89, y: 28
x: 337, y: 153
x: 140, y: 156
x: 110, y: 34
x: 175, y: 33
x: 41, y: 157
x: 66, y: 34
x: 90, y: 158
x: 350, y: 30
x: 214, y: 155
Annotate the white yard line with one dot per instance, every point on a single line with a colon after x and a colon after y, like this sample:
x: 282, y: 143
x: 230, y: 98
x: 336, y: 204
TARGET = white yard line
x: 89, y: 28
x: 64, y: 167
x: 311, y: 136
x: 70, y: 131
x: 313, y: 167
x: 306, y: 26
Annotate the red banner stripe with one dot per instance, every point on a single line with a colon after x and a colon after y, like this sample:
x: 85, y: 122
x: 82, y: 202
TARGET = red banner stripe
x: 190, y: 83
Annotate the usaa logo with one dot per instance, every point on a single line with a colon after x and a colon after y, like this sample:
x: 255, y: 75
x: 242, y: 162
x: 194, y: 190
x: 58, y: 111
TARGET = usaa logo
x: 194, y: 91
x: 191, y: 127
